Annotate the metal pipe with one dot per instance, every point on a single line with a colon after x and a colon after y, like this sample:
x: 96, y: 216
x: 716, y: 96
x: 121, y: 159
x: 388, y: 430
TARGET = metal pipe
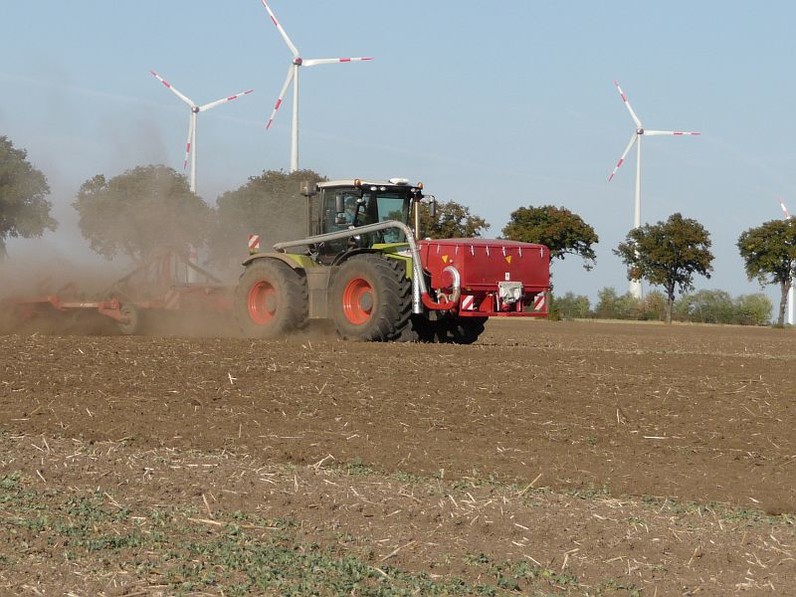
x: 419, y: 287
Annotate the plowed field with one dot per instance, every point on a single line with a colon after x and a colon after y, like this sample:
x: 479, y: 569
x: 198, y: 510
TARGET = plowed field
x: 575, y: 458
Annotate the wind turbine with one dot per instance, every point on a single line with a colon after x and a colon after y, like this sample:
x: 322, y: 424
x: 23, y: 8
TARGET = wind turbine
x: 790, y: 292
x: 293, y: 75
x: 635, y: 286
x: 190, y: 146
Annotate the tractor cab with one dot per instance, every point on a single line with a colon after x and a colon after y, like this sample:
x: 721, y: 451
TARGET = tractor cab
x: 349, y: 204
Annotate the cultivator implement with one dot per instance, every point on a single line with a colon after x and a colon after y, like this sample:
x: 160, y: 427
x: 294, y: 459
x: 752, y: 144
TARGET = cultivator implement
x: 166, y: 283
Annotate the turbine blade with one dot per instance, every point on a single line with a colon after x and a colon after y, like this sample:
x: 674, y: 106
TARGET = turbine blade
x: 629, y: 107
x: 671, y: 133
x: 291, y: 46
x: 278, y: 103
x: 784, y: 210
x: 188, y: 144
x: 621, y: 161
x: 168, y: 85
x: 317, y: 61
x: 224, y: 100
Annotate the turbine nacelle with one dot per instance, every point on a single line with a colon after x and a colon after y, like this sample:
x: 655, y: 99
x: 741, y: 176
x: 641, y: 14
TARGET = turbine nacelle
x: 639, y: 131
x: 298, y: 61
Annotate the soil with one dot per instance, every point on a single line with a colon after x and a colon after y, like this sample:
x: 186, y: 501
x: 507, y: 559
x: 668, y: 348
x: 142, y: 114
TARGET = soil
x: 634, y: 458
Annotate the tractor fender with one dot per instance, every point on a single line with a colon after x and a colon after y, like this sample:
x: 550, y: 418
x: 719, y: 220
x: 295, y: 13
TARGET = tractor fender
x: 345, y: 256
x: 296, y: 262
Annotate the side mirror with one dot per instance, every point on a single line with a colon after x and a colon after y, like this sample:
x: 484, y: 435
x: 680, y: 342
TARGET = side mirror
x: 339, y: 204
x: 432, y: 207
x: 308, y: 189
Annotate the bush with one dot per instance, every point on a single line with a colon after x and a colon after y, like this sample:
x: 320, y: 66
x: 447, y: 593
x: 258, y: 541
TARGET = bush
x: 753, y: 309
x: 612, y: 306
x: 571, y: 306
x: 706, y: 306
x: 717, y: 306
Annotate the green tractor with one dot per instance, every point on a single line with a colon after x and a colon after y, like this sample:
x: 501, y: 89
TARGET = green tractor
x: 363, y: 268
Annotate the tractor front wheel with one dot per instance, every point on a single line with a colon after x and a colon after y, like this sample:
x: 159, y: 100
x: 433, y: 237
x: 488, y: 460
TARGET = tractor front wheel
x: 270, y: 299
x: 370, y: 298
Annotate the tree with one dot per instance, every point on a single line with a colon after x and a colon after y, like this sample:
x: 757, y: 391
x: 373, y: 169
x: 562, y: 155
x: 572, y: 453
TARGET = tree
x: 753, y: 309
x: 452, y: 220
x: 668, y: 254
x: 571, y: 306
x: 612, y: 306
x: 138, y: 211
x: 24, y: 211
x: 707, y: 306
x: 270, y: 205
x: 769, y: 254
x: 653, y: 306
x: 560, y: 230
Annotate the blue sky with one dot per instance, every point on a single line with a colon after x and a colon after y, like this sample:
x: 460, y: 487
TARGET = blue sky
x: 493, y: 105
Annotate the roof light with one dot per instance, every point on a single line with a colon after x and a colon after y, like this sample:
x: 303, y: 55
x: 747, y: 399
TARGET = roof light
x: 398, y: 181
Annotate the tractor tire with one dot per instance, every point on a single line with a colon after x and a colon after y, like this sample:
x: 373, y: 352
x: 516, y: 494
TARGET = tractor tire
x: 449, y: 330
x: 370, y: 298
x: 271, y: 300
x: 461, y: 330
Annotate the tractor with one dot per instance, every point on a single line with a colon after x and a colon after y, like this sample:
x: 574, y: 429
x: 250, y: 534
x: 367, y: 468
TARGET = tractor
x: 364, y: 269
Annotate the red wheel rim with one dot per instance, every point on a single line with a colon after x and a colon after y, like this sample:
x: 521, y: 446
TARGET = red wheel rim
x: 262, y: 302
x: 358, y: 301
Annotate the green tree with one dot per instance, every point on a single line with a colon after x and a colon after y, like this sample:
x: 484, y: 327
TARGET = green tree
x: 562, y: 231
x: 769, y: 254
x: 668, y: 254
x: 653, y: 306
x: 571, y: 306
x: 24, y: 211
x: 270, y: 205
x: 707, y: 306
x: 611, y: 305
x: 753, y: 309
x: 451, y: 220
x: 140, y: 210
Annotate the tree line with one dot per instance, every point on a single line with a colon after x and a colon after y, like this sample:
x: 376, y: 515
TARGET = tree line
x: 704, y: 306
x: 146, y: 207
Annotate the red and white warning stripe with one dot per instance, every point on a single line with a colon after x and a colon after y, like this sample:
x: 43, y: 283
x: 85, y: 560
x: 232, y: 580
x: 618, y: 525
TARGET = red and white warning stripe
x: 539, y: 301
x: 254, y: 243
x: 468, y: 302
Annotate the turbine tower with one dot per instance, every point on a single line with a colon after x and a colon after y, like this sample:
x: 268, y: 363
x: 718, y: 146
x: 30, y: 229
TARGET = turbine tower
x: 293, y: 75
x: 635, y: 286
x: 190, y: 146
x: 790, y: 292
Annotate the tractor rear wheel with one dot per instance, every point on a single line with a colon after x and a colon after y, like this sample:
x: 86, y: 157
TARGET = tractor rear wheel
x: 271, y: 299
x: 370, y: 298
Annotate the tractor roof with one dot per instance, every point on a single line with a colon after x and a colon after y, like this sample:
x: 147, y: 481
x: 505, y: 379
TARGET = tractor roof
x: 402, y: 183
